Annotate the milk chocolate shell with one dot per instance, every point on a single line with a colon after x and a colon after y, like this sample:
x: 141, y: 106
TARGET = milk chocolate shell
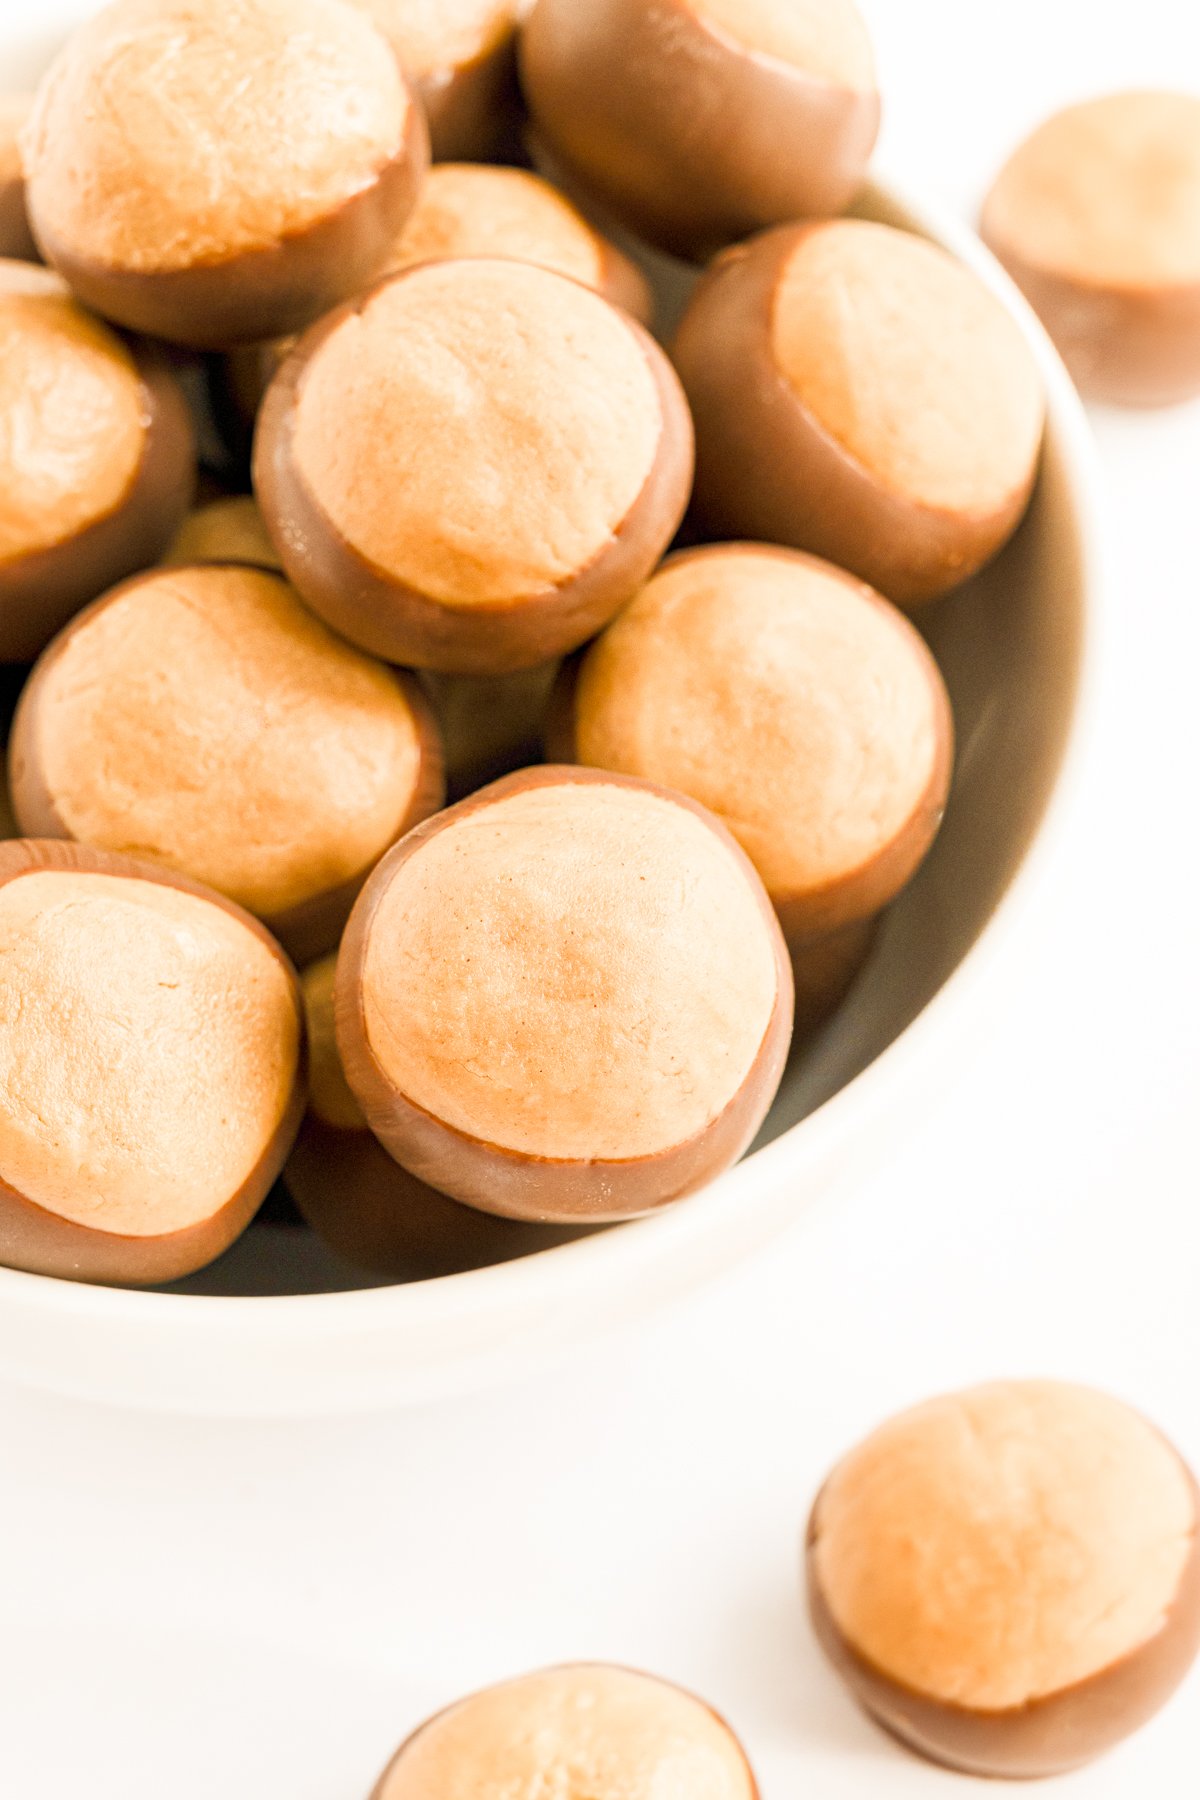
x: 357, y: 1198
x: 203, y: 715
x: 97, y: 461
x: 586, y: 1728
x: 473, y: 467
x: 460, y: 57
x: 215, y: 175
x: 696, y: 122
x: 859, y: 394
x: 16, y: 238
x: 1008, y: 1579
x: 792, y: 701
x: 1096, y: 216
x: 150, y: 1066
x: 490, y: 724
x: 566, y: 998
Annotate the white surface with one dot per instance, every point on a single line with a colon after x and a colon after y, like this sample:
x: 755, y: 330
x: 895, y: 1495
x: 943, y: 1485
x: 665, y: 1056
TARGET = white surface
x: 260, y: 1612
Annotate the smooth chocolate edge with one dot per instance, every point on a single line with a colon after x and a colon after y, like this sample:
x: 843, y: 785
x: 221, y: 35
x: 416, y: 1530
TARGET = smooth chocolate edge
x: 379, y: 1791
x: 16, y: 239
x: 473, y: 108
x: 861, y: 893
x: 371, y: 1212
x: 403, y: 625
x: 42, y: 1242
x: 1129, y: 346
x: 41, y: 592
x: 262, y: 293
x: 1047, y: 1736
x: 310, y: 927
x: 785, y: 145
x: 512, y: 1183
x: 766, y: 468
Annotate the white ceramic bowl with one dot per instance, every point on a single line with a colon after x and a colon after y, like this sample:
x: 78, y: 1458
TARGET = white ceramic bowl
x: 246, y: 1338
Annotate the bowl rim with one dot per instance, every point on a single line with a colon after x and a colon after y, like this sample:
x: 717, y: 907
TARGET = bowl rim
x: 615, y: 1257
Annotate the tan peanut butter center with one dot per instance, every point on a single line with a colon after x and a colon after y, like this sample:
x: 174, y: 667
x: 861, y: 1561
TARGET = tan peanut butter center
x: 906, y: 359
x: 573, y: 1734
x: 174, y: 132
x: 825, y: 38
x: 479, y: 430
x: 14, y: 111
x: 224, y: 531
x: 329, y: 1095
x: 1107, y: 193
x: 786, y: 699
x: 148, y: 1050
x: 72, y: 415
x: 205, y: 718
x: 472, y: 209
x: 994, y: 1547
x: 574, y: 971
x: 437, y: 36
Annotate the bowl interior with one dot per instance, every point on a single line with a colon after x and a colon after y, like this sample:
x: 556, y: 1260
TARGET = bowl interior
x: 1009, y: 643
x: 1011, y: 646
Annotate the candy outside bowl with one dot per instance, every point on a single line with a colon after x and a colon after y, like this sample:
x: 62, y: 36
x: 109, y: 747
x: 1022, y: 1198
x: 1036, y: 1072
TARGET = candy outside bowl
x: 279, y: 1328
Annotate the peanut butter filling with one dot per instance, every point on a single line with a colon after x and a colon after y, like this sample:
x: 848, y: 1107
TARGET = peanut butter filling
x: 910, y: 364
x: 224, y: 531
x: 329, y: 1095
x: 473, y: 209
x: 439, y: 36
x: 994, y: 1547
x: 172, y: 132
x: 72, y: 415
x: 825, y: 38
x: 576, y: 971
x: 148, y: 1050
x: 571, y: 1733
x: 1107, y: 193
x: 203, y: 717
x: 785, y: 699
x: 478, y: 430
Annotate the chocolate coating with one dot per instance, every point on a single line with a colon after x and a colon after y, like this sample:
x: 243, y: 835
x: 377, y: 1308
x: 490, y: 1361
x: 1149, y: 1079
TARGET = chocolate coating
x: 46, y: 1243
x: 686, y: 137
x: 513, y: 1182
x: 1096, y: 216
x: 1047, y: 1734
x: 16, y: 239
x: 767, y: 468
x: 40, y: 592
x: 386, y: 615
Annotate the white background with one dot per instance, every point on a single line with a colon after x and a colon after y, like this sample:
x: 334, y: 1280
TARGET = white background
x: 259, y: 1612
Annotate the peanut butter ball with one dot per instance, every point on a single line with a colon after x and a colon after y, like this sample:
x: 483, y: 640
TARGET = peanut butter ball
x: 460, y: 57
x: 696, y: 122
x: 858, y: 393
x: 358, y: 1199
x: 150, y: 1066
x: 472, y: 468
x: 16, y: 240
x: 224, y: 172
x: 97, y: 458
x: 1096, y: 216
x: 203, y: 715
x: 567, y: 998
x: 1009, y: 1578
x: 226, y: 530
x: 585, y: 1729
x: 475, y: 209
x: 793, y: 702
